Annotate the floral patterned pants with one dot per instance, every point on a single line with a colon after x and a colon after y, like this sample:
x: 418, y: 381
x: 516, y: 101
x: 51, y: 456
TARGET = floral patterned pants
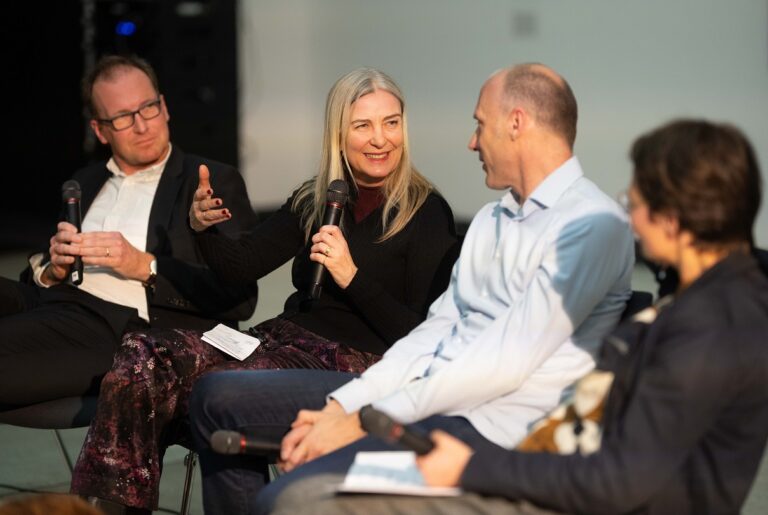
x: 143, y: 404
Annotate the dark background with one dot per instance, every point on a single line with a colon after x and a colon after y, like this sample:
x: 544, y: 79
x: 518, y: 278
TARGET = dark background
x: 46, y: 45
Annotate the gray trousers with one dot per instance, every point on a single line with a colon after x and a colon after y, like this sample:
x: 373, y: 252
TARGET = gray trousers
x: 314, y: 496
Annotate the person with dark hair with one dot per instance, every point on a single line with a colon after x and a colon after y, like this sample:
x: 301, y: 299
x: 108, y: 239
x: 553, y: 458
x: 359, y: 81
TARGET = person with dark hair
x: 666, y: 276
x: 141, y: 265
x: 385, y: 263
x: 543, y: 275
x: 685, y: 421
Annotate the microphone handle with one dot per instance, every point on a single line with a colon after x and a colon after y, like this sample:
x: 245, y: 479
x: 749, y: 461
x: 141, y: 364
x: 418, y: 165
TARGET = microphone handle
x: 73, y: 217
x: 378, y: 423
x: 258, y: 447
x: 332, y: 217
x: 418, y: 443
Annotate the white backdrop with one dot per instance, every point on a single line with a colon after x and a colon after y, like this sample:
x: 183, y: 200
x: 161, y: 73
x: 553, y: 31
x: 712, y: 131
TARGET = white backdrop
x: 632, y: 65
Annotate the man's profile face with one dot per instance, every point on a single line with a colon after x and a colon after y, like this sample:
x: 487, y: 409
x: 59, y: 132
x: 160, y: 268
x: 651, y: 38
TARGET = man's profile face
x: 146, y: 142
x: 489, y: 138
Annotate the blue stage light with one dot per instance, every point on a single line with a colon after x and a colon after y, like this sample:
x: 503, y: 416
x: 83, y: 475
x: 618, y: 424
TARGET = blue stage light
x: 125, y: 28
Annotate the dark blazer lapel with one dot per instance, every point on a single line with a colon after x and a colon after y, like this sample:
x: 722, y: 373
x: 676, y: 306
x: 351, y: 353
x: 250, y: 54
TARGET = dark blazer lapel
x: 166, y: 197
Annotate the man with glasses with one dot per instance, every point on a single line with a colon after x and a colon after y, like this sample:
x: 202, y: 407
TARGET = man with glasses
x: 141, y: 266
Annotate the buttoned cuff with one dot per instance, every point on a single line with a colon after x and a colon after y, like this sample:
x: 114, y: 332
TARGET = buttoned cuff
x: 38, y: 267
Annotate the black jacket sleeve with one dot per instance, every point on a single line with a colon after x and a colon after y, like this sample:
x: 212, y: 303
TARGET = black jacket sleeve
x: 688, y: 381
x: 269, y: 245
x: 184, y: 281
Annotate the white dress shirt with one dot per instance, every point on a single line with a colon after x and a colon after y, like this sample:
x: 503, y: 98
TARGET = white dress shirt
x: 535, y: 289
x: 123, y: 204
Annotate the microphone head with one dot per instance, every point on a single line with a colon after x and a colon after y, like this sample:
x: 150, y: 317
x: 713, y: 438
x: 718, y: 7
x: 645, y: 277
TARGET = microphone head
x: 338, y: 192
x: 70, y: 190
x: 226, y: 442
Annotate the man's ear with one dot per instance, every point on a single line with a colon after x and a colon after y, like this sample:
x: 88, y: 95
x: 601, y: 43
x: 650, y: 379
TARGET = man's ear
x: 516, y: 121
x: 670, y: 224
x: 96, y: 128
x: 165, y: 108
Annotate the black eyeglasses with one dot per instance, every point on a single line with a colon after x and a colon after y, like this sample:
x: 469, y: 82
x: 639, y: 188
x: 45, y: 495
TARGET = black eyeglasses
x: 126, y: 120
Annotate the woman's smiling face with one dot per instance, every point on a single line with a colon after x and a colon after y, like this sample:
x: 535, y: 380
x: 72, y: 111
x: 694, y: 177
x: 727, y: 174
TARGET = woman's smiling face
x: 374, y: 143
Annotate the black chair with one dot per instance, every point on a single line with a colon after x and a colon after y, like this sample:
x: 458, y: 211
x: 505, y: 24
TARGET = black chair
x: 638, y: 301
x: 71, y: 412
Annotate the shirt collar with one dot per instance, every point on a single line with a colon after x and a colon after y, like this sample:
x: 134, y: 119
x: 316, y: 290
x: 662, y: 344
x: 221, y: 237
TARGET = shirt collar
x: 548, y: 191
x: 149, y: 173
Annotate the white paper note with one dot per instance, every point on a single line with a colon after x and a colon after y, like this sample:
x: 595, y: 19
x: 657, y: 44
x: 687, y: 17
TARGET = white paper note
x: 389, y: 472
x: 233, y: 342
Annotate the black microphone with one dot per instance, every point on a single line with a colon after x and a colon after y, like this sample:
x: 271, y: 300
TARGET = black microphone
x: 335, y: 199
x: 70, y: 195
x: 232, y: 442
x: 380, y: 424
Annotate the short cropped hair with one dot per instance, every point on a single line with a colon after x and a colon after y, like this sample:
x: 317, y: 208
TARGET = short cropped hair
x: 105, y: 68
x: 550, y: 97
x: 705, y: 174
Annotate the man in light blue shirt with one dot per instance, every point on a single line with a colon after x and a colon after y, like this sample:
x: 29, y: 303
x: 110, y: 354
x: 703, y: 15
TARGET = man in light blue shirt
x: 543, y: 274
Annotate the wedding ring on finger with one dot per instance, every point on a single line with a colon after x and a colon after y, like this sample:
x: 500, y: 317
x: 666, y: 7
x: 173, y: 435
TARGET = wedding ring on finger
x: 327, y: 251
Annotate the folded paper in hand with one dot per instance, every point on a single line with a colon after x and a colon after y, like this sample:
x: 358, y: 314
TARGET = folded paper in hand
x: 389, y: 472
x: 233, y: 342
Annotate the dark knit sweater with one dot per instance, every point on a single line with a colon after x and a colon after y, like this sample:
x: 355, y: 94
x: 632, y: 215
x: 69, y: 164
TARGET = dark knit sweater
x: 396, y: 281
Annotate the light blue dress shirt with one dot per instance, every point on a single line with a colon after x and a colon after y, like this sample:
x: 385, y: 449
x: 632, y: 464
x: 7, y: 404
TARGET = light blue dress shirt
x: 535, y: 289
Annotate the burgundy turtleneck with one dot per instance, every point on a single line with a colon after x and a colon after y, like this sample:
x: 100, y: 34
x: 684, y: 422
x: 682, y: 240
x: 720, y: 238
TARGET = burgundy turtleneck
x: 368, y: 200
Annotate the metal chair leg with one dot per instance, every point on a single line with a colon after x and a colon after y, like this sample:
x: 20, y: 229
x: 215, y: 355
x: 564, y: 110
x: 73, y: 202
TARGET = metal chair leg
x: 63, y: 450
x: 274, y: 472
x: 189, y: 460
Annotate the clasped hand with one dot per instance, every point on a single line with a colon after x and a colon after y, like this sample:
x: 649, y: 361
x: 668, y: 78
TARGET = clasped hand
x: 316, y: 433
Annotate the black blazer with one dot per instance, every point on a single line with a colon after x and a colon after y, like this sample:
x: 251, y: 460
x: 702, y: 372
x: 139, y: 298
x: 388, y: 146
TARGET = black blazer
x: 187, y: 293
x: 686, y: 420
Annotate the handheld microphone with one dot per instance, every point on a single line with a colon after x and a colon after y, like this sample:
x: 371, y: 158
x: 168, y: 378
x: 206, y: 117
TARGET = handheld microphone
x: 232, y: 442
x: 70, y: 195
x: 380, y: 424
x: 335, y: 199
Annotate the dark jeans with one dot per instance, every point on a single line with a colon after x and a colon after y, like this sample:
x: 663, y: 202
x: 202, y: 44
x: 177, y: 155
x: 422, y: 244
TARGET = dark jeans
x: 261, y: 403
